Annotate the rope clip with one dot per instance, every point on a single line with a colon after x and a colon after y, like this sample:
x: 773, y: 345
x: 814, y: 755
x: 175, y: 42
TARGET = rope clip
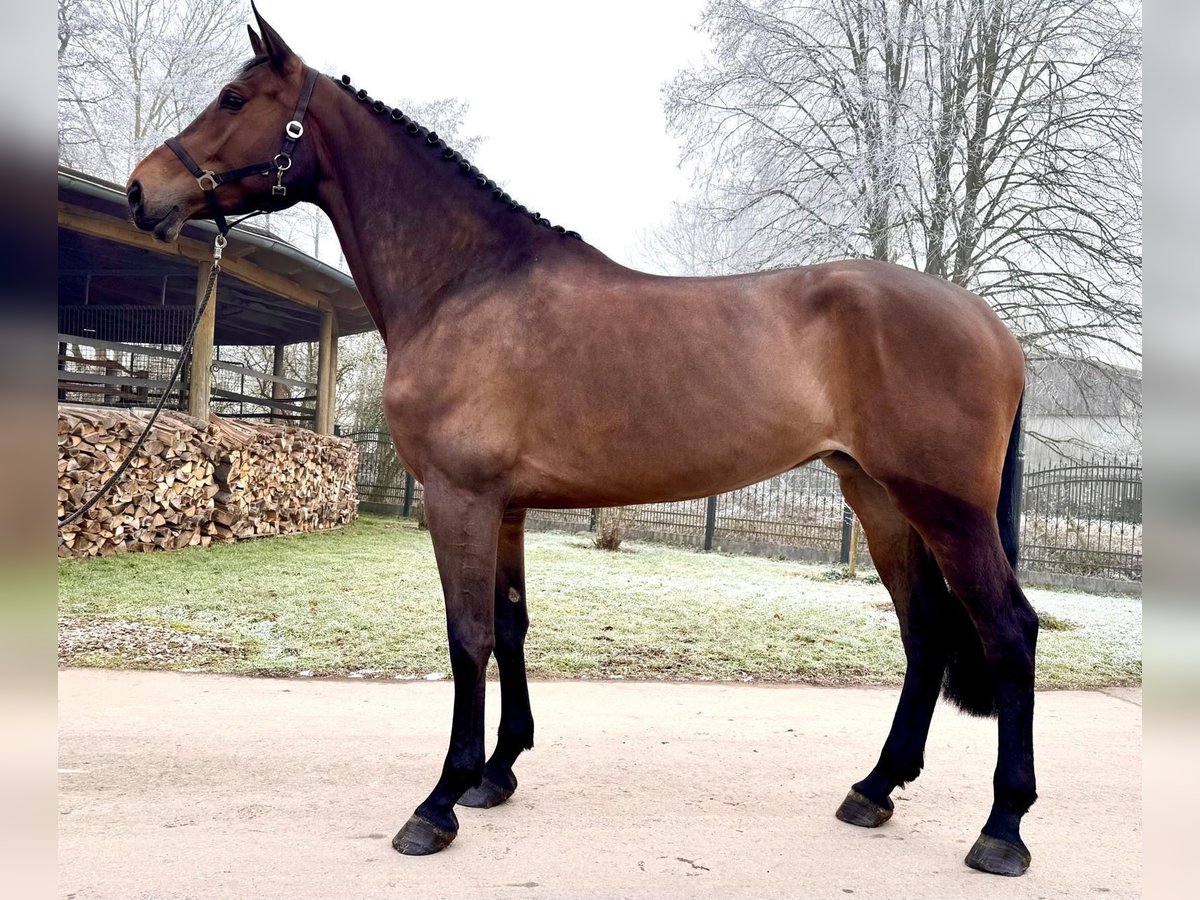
x: 282, y: 162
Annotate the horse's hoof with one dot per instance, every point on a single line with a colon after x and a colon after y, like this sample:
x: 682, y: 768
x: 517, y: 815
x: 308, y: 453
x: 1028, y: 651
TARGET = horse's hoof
x: 1000, y: 857
x: 862, y: 811
x: 420, y: 837
x: 487, y: 795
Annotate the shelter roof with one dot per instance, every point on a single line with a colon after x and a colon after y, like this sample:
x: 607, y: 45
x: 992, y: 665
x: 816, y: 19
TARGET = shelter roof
x: 269, y: 291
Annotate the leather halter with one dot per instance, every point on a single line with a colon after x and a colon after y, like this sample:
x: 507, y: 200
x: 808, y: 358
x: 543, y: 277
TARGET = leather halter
x: 209, y: 180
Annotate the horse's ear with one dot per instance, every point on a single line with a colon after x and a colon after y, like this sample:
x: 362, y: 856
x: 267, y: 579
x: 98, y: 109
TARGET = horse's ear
x: 256, y: 42
x: 276, y: 49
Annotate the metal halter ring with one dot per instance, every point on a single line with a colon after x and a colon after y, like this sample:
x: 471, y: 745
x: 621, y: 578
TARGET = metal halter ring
x: 207, y: 181
x: 294, y: 130
x: 282, y: 166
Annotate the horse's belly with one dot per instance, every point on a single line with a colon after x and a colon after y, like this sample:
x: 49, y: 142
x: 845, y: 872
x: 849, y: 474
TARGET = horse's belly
x: 687, y: 450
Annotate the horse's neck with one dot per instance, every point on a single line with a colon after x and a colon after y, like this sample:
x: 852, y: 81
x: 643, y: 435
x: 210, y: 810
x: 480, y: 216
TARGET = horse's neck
x: 413, y: 228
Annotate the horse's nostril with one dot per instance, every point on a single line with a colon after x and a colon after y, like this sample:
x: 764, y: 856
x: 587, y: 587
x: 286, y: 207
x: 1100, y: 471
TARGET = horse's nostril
x: 135, y: 195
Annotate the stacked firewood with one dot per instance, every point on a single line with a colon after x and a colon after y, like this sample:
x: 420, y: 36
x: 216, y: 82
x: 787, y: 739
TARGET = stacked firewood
x: 196, y: 482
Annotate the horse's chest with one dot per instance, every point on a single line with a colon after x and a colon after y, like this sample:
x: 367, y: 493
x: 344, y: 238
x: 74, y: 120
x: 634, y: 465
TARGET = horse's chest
x: 407, y: 421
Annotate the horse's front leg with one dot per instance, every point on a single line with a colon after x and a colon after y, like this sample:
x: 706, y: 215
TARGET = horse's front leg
x: 512, y: 623
x: 464, y: 526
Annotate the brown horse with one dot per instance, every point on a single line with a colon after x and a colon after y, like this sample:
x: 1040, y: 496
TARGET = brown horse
x: 528, y: 370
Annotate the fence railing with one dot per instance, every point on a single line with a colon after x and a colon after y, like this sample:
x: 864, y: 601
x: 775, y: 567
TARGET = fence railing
x: 383, y: 484
x: 101, y: 372
x: 1084, y: 519
x: 1078, y: 520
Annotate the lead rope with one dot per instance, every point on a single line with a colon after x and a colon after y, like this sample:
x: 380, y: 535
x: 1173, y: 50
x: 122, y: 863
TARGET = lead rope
x: 184, y: 353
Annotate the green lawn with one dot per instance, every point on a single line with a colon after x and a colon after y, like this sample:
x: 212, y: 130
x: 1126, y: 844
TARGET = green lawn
x: 366, y: 601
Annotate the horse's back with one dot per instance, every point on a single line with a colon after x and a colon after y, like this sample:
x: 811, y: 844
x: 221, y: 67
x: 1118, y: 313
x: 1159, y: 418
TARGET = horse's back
x: 606, y: 386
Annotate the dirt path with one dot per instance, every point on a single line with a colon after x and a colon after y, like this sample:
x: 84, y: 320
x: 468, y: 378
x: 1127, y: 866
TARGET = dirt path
x: 175, y: 786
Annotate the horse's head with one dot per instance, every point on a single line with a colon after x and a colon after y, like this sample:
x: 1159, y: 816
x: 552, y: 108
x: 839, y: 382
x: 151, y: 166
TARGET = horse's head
x: 244, y: 152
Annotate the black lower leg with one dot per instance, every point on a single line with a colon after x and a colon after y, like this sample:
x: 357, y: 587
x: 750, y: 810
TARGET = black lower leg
x: 869, y: 802
x: 434, y: 825
x: 964, y: 540
x: 1010, y: 644
x: 464, y: 526
x: 512, y: 623
x: 1007, y: 628
x: 516, y: 719
x: 903, y: 752
x: 515, y: 735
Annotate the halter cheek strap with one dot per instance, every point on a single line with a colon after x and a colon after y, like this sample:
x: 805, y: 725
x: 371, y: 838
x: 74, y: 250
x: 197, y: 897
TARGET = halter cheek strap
x: 209, y: 180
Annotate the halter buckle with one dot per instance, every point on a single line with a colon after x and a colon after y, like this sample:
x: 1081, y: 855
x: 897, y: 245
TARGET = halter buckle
x: 207, y: 181
x: 294, y: 129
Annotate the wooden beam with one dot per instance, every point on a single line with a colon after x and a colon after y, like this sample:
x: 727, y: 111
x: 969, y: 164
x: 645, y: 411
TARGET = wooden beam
x: 276, y: 284
x: 85, y: 341
x: 260, y: 376
x: 78, y: 219
x: 333, y: 371
x: 84, y: 221
x: 200, y: 388
x: 326, y: 350
x: 278, y: 389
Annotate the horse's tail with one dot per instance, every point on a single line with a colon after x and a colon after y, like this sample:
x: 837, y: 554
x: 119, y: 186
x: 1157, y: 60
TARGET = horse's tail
x: 1006, y: 508
x: 969, y: 683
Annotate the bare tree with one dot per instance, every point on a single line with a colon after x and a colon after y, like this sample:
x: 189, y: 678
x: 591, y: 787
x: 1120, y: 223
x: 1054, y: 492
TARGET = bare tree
x: 133, y: 72
x: 996, y: 143
x: 691, y: 242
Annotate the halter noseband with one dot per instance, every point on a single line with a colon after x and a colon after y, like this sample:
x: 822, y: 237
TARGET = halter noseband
x: 209, y: 180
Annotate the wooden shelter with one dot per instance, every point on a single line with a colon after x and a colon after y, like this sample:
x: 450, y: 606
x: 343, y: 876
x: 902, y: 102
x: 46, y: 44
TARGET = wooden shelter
x: 126, y: 301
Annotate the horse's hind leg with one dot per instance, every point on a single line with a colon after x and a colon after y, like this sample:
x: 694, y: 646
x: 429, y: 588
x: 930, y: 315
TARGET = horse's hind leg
x: 966, y: 543
x: 919, y: 594
x: 512, y: 622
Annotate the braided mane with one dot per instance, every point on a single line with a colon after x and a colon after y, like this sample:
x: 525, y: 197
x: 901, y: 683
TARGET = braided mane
x: 430, y: 139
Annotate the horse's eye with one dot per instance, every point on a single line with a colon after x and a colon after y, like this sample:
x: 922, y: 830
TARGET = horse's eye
x: 231, y: 101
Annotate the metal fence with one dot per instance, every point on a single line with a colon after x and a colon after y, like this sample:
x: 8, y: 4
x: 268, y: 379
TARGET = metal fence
x: 799, y: 514
x: 383, y: 484
x: 1084, y: 519
x: 1078, y: 520
x: 96, y: 369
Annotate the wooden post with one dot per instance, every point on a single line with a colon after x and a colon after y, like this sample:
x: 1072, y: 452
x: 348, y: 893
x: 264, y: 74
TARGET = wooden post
x: 278, y: 391
x: 333, y: 370
x: 710, y: 522
x: 200, y: 383
x: 847, y: 533
x: 62, y: 367
x: 326, y: 374
x: 410, y: 486
x: 852, y: 566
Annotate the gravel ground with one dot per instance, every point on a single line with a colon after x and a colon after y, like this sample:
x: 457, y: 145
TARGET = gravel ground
x: 136, y: 644
x: 182, y: 787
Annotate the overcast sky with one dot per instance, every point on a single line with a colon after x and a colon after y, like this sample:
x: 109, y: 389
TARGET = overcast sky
x: 566, y: 95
